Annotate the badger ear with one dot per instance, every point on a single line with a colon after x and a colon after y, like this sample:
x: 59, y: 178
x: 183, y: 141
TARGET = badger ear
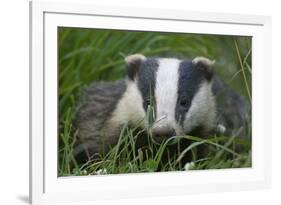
x: 205, y: 65
x: 133, y: 63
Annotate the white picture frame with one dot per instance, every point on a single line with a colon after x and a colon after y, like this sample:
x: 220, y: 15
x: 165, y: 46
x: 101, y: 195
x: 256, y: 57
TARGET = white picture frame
x: 46, y: 186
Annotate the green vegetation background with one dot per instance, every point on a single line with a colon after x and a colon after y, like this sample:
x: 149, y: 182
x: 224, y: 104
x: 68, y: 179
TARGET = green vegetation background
x: 87, y: 55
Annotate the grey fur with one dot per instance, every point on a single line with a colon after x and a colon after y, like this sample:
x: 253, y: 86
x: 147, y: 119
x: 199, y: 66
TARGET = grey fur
x: 95, y: 106
x: 233, y: 111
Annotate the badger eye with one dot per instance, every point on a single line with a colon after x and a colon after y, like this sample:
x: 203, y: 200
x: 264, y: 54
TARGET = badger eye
x: 148, y: 102
x: 184, y: 102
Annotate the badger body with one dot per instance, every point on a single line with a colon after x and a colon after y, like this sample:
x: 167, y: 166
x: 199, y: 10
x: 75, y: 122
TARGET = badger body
x: 186, y: 95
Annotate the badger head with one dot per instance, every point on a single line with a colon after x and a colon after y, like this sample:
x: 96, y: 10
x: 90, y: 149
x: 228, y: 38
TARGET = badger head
x: 179, y: 91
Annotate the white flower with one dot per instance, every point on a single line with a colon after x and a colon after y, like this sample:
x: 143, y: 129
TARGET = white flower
x: 189, y: 166
x: 221, y: 129
x: 101, y: 172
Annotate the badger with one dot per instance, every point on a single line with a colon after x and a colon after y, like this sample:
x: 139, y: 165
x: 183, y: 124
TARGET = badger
x: 187, y: 96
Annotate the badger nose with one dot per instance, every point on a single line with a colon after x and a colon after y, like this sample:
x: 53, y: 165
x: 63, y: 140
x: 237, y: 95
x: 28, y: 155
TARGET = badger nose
x: 163, y: 131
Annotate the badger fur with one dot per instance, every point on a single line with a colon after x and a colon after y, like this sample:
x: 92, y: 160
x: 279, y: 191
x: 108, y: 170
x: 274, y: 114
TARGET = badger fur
x: 188, y: 98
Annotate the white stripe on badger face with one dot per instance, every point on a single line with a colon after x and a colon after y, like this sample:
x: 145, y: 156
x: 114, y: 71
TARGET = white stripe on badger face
x: 166, y: 91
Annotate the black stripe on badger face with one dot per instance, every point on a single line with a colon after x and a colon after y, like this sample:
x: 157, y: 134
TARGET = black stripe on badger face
x: 190, y: 80
x: 146, y: 80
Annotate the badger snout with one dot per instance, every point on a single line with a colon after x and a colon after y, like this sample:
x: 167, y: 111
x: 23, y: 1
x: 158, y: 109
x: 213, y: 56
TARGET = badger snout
x: 163, y: 131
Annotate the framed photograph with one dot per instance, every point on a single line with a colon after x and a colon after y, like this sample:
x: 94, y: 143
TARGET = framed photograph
x: 129, y: 102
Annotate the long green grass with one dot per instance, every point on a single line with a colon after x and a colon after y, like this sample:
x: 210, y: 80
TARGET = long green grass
x: 87, y: 55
